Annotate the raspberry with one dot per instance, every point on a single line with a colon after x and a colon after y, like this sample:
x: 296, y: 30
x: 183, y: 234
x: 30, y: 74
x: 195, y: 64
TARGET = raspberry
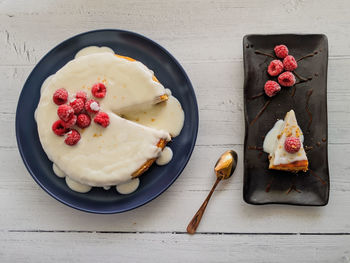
x: 81, y: 95
x: 99, y: 90
x: 77, y: 105
x: 292, y: 144
x: 92, y: 106
x: 281, y: 51
x: 275, y: 67
x: 83, y: 120
x: 72, y: 137
x: 65, y: 112
x: 70, y: 123
x: 271, y: 88
x: 290, y: 63
x: 60, y: 96
x: 102, y: 119
x: 286, y: 79
x: 58, y: 128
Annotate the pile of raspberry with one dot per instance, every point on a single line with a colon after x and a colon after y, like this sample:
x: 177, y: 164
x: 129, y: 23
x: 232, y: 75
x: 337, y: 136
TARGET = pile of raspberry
x: 282, y: 68
x: 78, y: 112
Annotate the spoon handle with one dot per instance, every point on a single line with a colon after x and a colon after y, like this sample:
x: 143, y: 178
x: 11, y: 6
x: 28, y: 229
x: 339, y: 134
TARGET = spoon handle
x: 192, y: 226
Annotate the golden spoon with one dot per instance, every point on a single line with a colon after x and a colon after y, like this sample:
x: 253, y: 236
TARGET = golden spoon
x: 224, y: 168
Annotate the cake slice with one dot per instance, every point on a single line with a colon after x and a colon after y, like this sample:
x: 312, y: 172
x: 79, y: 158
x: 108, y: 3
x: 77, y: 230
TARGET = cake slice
x: 288, y: 153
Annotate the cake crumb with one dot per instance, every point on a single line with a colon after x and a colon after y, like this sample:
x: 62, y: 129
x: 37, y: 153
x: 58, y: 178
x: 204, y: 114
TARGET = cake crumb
x: 153, y: 119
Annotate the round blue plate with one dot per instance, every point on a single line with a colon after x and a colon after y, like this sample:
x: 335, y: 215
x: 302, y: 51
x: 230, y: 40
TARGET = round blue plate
x: 157, y: 179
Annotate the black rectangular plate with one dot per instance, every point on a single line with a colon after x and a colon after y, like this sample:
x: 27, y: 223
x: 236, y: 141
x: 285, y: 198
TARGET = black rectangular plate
x: 264, y: 186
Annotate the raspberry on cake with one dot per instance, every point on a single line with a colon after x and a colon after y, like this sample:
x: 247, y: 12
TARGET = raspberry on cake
x: 60, y: 96
x: 271, y: 88
x: 72, y: 137
x: 92, y: 106
x: 284, y: 144
x: 83, y: 120
x: 81, y: 95
x: 281, y: 51
x: 99, y: 90
x: 77, y: 105
x: 65, y: 112
x: 292, y: 144
x: 102, y: 119
x: 71, y: 122
x: 275, y: 67
x: 290, y: 63
x: 58, y: 128
x: 286, y: 79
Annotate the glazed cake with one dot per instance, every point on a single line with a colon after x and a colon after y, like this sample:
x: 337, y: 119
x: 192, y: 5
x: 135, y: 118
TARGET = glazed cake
x: 107, y: 156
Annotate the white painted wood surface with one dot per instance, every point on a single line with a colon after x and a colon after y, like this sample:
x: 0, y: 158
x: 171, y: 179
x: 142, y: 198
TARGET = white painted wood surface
x: 206, y: 37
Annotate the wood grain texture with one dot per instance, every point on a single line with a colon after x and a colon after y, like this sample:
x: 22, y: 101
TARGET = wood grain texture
x: 172, y: 247
x: 206, y: 37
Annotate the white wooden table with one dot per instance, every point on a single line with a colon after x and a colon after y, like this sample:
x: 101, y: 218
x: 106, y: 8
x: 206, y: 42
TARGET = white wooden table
x: 206, y: 38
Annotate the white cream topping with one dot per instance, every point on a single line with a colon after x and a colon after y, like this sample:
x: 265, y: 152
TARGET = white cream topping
x: 128, y: 187
x: 165, y: 157
x: 93, y: 50
x: 271, y: 137
x: 107, y: 156
x: 277, y: 136
x: 77, y: 187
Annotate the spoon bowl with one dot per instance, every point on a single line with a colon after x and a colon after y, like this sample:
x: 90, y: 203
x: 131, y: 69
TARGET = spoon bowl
x: 226, y: 164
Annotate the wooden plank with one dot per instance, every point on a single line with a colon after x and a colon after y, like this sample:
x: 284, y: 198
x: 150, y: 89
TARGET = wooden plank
x: 168, y: 247
x: 219, y: 40
x: 30, y: 208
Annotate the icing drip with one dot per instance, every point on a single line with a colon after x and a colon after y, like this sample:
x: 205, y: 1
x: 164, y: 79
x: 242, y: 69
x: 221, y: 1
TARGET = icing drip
x: 128, y: 187
x: 165, y: 157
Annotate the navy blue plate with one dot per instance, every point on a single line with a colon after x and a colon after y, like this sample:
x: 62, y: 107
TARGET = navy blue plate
x: 157, y: 179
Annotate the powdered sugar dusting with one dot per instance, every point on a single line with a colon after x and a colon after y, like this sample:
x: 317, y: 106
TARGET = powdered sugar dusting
x: 94, y: 106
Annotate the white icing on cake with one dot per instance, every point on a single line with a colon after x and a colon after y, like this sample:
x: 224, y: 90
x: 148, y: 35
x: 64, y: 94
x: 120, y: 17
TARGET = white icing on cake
x: 165, y: 157
x: 167, y: 115
x: 128, y: 187
x: 93, y: 50
x: 271, y: 137
x: 108, y: 156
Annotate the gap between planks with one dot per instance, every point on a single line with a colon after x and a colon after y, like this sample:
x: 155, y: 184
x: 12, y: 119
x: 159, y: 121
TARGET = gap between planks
x: 184, y: 233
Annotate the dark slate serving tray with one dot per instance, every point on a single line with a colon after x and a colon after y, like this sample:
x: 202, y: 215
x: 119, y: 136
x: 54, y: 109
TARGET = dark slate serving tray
x: 309, y: 101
